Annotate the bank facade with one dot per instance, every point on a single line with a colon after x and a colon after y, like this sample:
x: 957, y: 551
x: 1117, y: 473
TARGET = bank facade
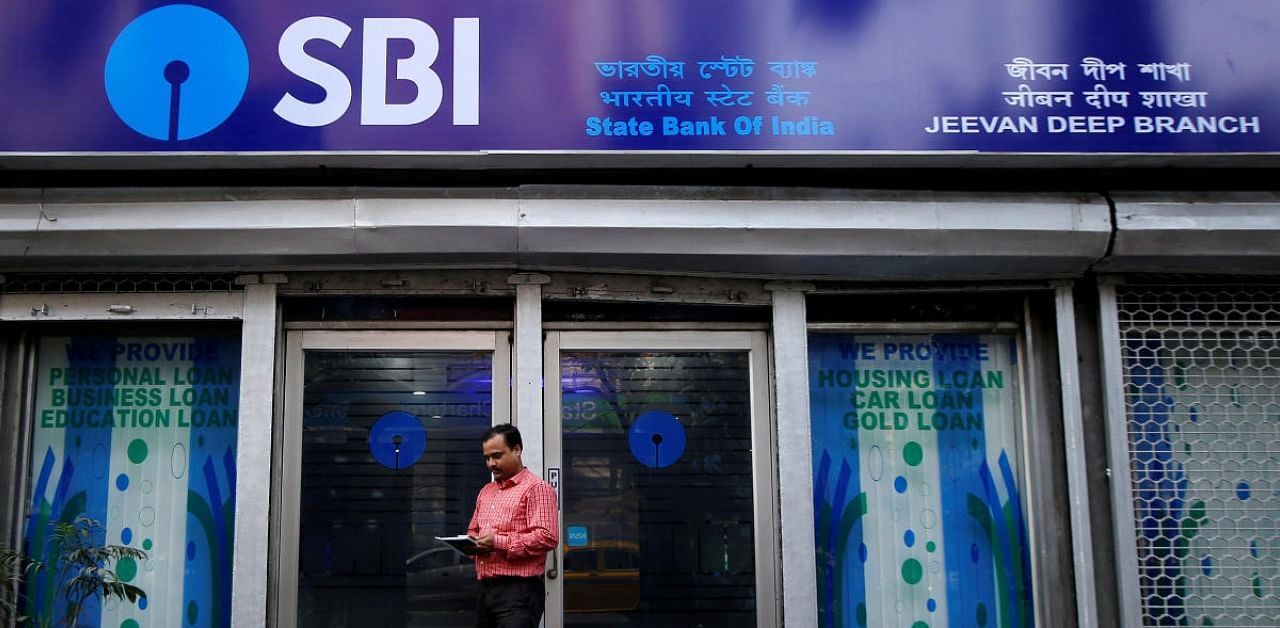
x: 977, y: 339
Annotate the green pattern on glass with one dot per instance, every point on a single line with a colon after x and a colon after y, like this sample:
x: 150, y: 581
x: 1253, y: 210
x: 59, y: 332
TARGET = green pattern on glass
x: 853, y: 511
x: 1009, y: 602
x: 912, y: 453
x: 1198, y: 510
x: 912, y: 571
x: 1019, y: 579
x: 137, y: 451
x: 1196, y: 519
x: 33, y: 607
x: 1190, y: 528
x: 199, y: 508
x: 126, y: 569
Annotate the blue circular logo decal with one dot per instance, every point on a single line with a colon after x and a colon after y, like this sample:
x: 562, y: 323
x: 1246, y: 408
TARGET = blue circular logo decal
x: 176, y: 72
x: 656, y: 439
x: 397, y: 440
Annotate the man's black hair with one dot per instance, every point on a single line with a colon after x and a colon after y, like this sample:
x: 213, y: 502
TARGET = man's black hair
x: 509, y: 434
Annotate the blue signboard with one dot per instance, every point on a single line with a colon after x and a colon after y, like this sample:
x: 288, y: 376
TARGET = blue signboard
x: 814, y: 76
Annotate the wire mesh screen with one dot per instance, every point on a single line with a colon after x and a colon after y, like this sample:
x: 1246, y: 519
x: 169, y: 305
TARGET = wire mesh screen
x: 139, y: 283
x: 1201, y: 372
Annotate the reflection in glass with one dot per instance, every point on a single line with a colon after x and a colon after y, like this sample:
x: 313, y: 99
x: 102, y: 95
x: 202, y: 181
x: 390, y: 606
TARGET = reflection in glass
x: 390, y: 459
x: 657, y: 495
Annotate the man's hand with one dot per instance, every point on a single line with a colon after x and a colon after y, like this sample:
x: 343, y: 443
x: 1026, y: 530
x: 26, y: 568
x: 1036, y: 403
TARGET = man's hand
x: 485, y: 541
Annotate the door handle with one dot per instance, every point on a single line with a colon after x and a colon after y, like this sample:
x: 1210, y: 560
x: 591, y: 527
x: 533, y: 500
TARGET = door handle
x: 554, y: 571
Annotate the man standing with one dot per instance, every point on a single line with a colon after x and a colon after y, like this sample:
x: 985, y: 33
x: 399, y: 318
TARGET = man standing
x: 515, y: 524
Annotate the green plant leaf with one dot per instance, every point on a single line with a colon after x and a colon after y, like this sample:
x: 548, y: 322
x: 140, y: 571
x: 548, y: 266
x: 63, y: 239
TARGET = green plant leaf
x: 85, y: 565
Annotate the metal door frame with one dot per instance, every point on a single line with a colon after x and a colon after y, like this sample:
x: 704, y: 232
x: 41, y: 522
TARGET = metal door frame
x: 288, y: 501
x: 763, y: 458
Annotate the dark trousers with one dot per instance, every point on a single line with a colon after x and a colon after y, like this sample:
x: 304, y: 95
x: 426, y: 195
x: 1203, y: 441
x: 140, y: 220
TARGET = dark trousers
x: 510, y: 602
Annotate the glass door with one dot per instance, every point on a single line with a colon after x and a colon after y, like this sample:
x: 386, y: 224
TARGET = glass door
x: 661, y: 445
x: 382, y: 454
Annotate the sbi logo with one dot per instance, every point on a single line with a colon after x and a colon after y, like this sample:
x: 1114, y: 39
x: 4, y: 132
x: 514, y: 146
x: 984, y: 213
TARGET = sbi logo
x: 176, y: 72
x: 179, y: 71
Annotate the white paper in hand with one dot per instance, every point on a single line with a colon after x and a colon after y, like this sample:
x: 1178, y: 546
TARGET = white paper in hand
x: 462, y: 544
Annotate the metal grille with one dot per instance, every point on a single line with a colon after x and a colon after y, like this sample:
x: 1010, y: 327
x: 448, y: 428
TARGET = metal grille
x: 1201, y: 378
x: 157, y: 283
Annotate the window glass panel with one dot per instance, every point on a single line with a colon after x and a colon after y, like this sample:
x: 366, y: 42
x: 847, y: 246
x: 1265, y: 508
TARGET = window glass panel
x: 138, y: 434
x: 390, y: 459
x: 618, y: 559
x: 658, y: 506
x: 919, y: 509
x: 580, y: 560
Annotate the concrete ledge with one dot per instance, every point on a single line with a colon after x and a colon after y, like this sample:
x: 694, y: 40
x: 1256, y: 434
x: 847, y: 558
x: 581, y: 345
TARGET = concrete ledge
x: 758, y: 231
x: 1196, y: 232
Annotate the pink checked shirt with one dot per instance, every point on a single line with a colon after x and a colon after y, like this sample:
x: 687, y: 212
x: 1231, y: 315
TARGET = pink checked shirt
x: 522, y: 514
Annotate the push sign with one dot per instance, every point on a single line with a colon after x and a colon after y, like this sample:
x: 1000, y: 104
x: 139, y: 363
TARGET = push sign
x: 577, y: 536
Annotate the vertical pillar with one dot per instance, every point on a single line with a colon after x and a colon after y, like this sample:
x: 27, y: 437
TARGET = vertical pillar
x: 526, y: 374
x: 795, y: 465
x: 16, y: 443
x: 1123, y: 514
x: 1073, y: 437
x: 253, y: 455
